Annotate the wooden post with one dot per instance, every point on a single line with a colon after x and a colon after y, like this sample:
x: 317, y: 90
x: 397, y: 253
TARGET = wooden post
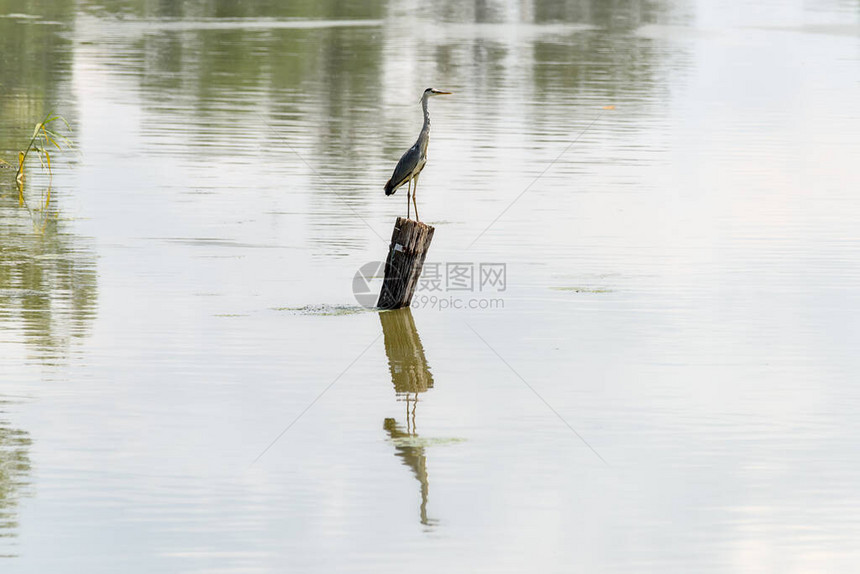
x: 409, y: 244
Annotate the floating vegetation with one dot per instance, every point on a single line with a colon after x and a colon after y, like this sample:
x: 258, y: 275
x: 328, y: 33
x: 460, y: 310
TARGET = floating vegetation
x: 583, y: 289
x: 324, y: 310
x: 418, y: 441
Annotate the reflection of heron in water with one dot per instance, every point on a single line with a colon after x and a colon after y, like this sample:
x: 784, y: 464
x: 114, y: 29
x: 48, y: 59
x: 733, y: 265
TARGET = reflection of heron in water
x: 413, y: 456
x: 410, y: 376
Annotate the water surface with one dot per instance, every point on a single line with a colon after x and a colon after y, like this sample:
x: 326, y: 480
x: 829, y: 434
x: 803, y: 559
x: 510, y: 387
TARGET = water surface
x: 668, y: 383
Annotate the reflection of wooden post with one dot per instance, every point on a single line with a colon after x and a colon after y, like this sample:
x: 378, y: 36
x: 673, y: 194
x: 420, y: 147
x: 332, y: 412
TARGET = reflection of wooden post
x: 409, y: 244
x: 409, y: 370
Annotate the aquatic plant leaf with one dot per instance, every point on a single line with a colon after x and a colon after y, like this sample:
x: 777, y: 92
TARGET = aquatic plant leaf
x: 47, y: 136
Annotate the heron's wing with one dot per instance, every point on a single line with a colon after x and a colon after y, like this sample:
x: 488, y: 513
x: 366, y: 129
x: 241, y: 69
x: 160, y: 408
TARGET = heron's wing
x: 405, y: 166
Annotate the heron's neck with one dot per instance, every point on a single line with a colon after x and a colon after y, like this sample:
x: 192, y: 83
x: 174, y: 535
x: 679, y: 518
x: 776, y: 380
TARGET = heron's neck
x: 426, y: 127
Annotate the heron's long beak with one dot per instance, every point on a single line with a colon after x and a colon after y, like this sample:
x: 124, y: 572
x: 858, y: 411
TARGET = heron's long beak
x: 434, y: 92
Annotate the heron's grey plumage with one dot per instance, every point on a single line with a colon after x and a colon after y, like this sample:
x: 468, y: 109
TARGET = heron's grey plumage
x: 404, y: 171
x: 412, y: 162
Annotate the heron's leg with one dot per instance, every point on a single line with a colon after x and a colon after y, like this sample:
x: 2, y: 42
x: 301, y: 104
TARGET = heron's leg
x: 408, y: 188
x: 414, y: 195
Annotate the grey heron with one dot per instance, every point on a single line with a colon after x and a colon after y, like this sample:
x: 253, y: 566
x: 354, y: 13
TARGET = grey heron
x: 412, y: 162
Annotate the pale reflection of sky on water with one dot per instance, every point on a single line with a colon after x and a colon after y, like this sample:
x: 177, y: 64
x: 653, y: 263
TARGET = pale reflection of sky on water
x: 683, y: 288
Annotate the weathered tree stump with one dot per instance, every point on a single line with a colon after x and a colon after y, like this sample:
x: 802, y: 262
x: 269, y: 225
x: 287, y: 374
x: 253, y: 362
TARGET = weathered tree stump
x: 409, y: 244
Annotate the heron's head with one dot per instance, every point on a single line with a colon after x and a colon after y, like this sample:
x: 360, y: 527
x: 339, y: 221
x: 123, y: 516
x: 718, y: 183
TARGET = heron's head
x: 430, y: 92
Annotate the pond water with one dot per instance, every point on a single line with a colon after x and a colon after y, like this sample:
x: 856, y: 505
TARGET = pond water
x: 635, y: 348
